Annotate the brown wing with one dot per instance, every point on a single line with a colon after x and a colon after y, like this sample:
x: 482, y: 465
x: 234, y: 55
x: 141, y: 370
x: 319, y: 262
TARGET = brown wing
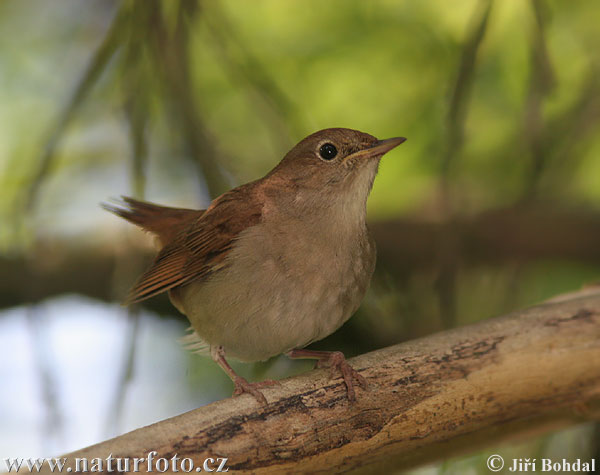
x: 201, y: 248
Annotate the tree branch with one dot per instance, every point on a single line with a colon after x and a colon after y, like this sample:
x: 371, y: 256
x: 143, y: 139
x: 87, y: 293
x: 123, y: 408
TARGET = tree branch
x: 532, y: 370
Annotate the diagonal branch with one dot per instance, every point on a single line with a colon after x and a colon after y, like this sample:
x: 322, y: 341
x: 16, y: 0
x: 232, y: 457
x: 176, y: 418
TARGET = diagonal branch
x: 458, y: 108
x: 110, y: 44
x: 532, y: 370
x: 170, y: 47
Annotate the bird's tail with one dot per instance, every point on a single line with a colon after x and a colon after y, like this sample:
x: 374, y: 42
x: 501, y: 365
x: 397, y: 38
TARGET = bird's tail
x: 163, y: 221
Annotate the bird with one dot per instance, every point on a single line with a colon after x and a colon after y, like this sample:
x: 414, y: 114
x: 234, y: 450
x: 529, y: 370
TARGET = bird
x: 272, y: 265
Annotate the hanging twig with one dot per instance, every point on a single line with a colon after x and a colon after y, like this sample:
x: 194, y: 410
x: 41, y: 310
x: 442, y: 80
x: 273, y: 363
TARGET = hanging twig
x: 246, y: 67
x: 96, y: 66
x: 541, y: 83
x: 170, y: 47
x: 457, y: 112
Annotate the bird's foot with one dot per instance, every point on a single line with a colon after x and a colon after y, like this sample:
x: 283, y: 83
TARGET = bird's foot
x: 243, y: 386
x: 336, y: 361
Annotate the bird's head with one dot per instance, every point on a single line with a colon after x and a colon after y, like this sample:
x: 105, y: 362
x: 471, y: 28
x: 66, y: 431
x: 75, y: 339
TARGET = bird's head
x: 333, y: 166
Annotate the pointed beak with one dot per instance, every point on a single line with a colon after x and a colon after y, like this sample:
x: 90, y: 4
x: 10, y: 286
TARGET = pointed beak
x: 383, y: 146
x: 379, y: 148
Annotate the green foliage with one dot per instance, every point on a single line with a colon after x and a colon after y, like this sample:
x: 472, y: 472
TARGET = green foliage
x: 232, y: 85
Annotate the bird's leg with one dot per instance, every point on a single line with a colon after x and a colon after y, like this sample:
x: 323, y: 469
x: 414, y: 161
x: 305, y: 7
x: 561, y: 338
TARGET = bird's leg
x: 241, y: 384
x: 336, y: 361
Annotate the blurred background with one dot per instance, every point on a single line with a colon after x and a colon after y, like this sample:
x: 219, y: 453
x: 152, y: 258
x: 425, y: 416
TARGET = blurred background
x: 493, y: 204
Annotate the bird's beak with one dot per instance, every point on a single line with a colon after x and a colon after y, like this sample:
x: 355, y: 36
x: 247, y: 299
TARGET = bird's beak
x: 379, y: 148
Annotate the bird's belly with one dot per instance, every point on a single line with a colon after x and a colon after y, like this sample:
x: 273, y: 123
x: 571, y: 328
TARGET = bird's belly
x: 257, y: 308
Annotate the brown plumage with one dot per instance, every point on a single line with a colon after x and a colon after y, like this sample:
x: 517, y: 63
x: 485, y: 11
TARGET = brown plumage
x: 195, y: 242
x: 275, y: 264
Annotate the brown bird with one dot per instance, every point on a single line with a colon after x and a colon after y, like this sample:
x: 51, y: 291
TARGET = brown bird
x: 274, y: 264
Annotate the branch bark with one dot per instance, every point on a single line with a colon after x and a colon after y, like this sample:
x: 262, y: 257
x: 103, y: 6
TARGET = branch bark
x: 530, y: 371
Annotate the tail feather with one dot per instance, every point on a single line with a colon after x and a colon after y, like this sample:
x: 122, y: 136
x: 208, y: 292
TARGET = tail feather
x: 194, y: 343
x: 163, y: 221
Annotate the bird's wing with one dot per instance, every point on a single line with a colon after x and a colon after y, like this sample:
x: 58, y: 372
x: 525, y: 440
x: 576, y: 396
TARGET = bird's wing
x: 201, y: 248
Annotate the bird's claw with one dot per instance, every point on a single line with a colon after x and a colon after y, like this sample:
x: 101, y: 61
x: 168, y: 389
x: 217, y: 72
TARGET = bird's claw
x: 243, y: 386
x: 337, y: 362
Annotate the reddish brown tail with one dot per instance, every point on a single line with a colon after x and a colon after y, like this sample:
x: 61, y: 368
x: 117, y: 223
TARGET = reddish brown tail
x: 163, y: 221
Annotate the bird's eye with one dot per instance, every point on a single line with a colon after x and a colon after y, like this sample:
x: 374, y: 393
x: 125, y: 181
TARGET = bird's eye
x: 328, y: 151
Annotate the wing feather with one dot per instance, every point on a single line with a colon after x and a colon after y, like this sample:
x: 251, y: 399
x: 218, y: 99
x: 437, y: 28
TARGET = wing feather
x: 202, y: 247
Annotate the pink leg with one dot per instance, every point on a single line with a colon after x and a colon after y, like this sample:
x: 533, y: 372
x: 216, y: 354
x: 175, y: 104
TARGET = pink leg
x: 336, y: 361
x: 241, y: 385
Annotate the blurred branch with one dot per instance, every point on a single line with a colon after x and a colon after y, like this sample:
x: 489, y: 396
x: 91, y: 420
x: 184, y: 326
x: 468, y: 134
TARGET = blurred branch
x: 522, y: 233
x: 287, y: 126
x: 457, y: 112
x: 565, y: 133
x: 54, y: 423
x: 137, y: 113
x: 562, y: 140
x: 125, y: 376
x: 541, y: 83
x: 429, y: 399
x: 446, y: 280
x: 170, y: 47
x: 171, y: 50
x: 96, y: 66
x: 137, y: 103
